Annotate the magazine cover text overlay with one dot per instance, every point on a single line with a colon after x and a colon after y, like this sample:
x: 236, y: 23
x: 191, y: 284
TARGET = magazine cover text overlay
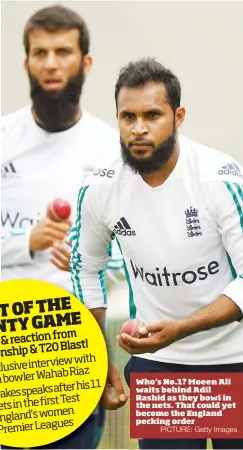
x: 53, y: 364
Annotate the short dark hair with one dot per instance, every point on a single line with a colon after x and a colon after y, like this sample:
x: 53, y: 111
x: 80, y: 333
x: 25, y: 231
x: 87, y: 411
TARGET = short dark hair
x: 145, y: 71
x: 54, y: 18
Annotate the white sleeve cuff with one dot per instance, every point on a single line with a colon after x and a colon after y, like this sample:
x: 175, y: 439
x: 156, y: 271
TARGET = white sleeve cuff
x: 234, y: 290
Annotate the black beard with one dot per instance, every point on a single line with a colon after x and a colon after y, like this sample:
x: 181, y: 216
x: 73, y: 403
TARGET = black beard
x: 159, y: 158
x: 57, y: 110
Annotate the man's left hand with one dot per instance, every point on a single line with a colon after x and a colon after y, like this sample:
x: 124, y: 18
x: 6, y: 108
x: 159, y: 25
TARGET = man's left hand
x: 161, y: 335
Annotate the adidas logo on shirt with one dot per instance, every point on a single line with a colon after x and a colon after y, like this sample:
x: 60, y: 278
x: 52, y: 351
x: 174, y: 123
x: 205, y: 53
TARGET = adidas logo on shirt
x: 8, y: 170
x: 231, y: 169
x: 123, y: 228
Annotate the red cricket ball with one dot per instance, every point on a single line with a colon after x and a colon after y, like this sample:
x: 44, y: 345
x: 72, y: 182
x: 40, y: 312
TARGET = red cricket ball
x: 131, y: 327
x: 59, y: 210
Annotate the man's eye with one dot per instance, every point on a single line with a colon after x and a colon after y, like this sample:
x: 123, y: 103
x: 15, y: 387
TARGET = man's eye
x: 128, y: 116
x: 63, y: 51
x: 153, y: 114
x: 39, y: 52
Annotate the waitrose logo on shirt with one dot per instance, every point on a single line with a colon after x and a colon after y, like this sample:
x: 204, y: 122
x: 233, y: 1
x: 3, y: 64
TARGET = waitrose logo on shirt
x: 166, y: 277
x: 17, y: 220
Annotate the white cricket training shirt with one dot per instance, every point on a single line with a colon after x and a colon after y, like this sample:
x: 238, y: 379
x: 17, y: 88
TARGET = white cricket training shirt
x: 37, y: 167
x: 182, y: 243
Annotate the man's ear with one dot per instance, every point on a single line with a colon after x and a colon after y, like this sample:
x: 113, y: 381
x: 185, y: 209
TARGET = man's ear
x: 26, y: 65
x: 87, y: 63
x: 180, y: 116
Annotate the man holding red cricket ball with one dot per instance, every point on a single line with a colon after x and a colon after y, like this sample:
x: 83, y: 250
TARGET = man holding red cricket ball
x: 48, y: 149
x: 175, y: 208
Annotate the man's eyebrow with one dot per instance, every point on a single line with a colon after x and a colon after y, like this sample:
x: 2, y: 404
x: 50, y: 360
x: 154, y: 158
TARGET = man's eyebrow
x: 125, y: 111
x: 40, y: 47
x: 154, y: 109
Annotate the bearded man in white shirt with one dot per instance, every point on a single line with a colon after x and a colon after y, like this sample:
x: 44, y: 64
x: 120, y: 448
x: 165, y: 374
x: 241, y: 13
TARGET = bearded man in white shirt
x: 48, y: 149
x: 175, y: 208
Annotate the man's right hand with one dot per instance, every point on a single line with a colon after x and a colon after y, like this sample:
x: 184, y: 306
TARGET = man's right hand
x: 108, y: 401
x: 46, y: 232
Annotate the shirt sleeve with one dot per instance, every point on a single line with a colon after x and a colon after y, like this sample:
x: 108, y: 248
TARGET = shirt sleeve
x: 229, y: 207
x: 14, y: 242
x: 115, y: 268
x: 15, y: 248
x: 91, y: 250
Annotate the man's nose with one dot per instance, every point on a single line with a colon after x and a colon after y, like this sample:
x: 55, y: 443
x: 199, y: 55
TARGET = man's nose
x: 51, y: 62
x: 140, y: 128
